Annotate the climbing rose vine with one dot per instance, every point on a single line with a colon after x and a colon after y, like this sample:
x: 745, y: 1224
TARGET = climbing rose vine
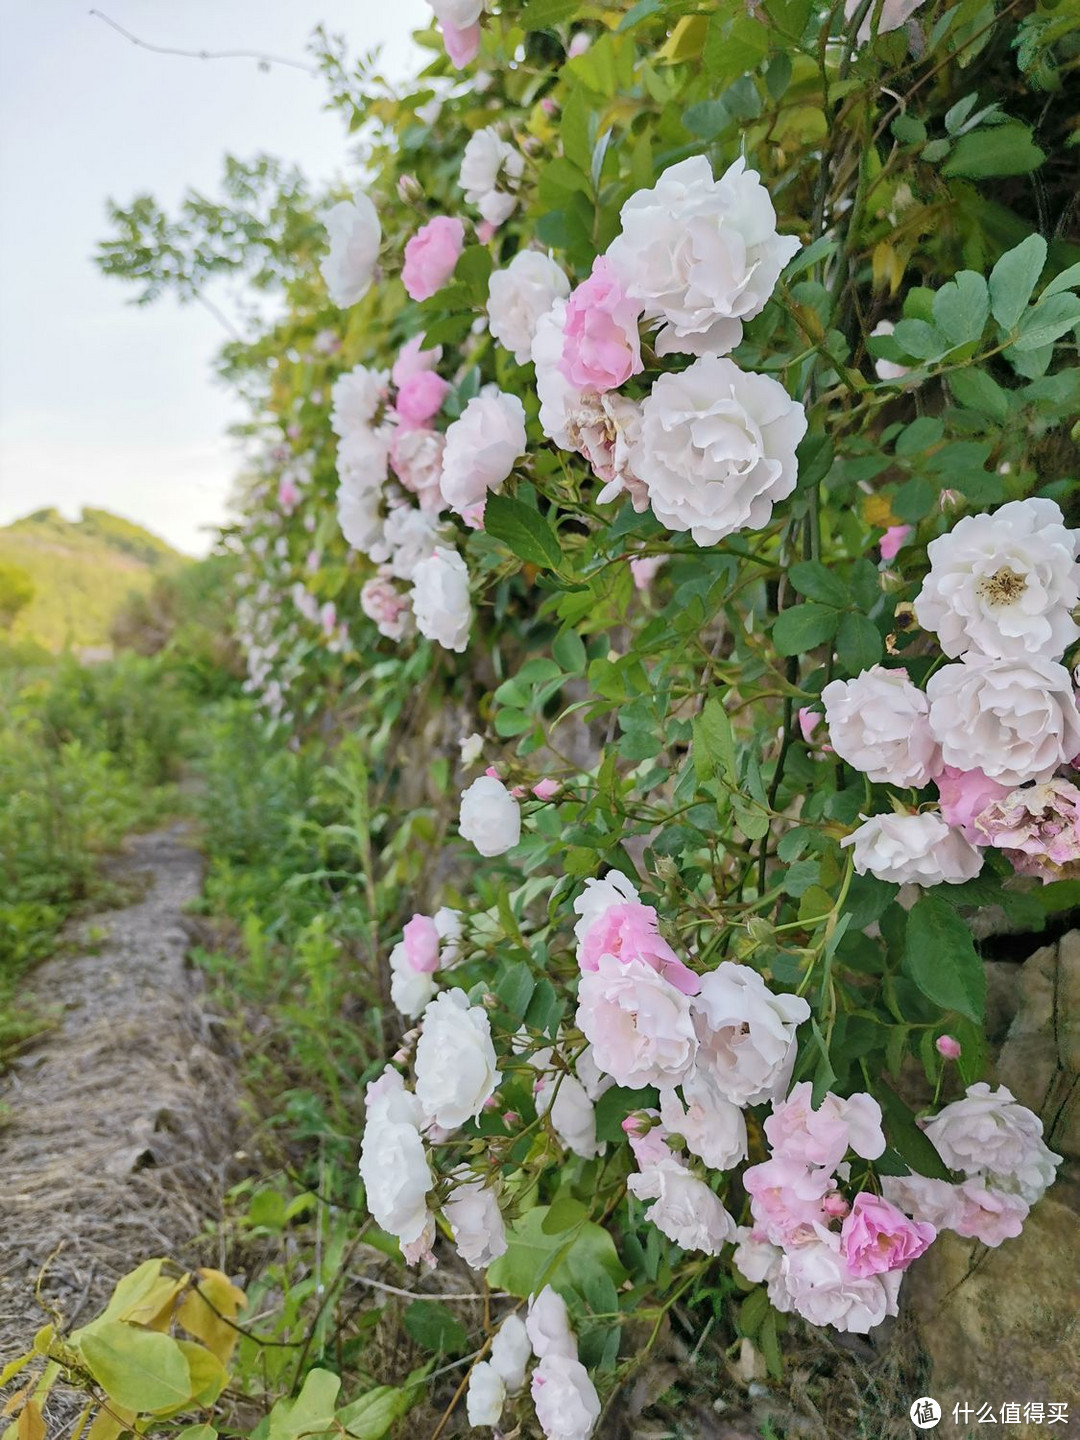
x: 677, y: 447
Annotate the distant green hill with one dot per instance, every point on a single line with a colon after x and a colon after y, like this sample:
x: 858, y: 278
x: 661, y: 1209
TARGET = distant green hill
x: 82, y: 572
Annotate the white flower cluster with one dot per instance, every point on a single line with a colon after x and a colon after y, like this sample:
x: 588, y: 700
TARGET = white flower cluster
x: 1000, y: 596
x: 997, y: 1144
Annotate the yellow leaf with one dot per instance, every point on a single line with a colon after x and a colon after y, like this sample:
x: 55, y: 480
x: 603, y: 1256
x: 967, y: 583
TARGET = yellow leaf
x: 686, y: 40
x: 12, y: 1403
x: 887, y: 266
x: 31, y: 1422
x: 209, y: 1313
x: 878, y: 512
x: 208, y: 1375
x: 108, y: 1424
x: 12, y: 1368
x: 42, y: 1340
x: 154, y: 1308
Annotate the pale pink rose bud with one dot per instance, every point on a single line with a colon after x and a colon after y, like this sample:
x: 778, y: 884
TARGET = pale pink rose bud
x: 809, y: 720
x: 511, y: 1117
x: 644, y: 569
x: 601, y: 345
x: 400, y: 1057
x: 462, y: 45
x: 948, y: 1047
x: 835, y: 1205
x: 431, y: 255
x: 288, y: 494
x: 492, y: 771
x: 409, y: 189
x: 545, y: 789
x: 950, y: 500
x: 893, y: 540
x: 517, y: 791
x: 579, y: 43
x: 548, y: 105
x: 485, y: 231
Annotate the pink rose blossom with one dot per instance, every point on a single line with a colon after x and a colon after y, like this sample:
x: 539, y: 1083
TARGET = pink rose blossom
x: 989, y: 1215
x: 545, y: 789
x: 328, y: 617
x: 416, y: 457
x: 421, y: 944
x: 786, y: 1198
x: 382, y: 602
x: 894, y: 539
x: 412, y: 360
x: 964, y: 794
x: 947, y: 1047
x: 639, y: 1025
x: 601, y: 345
x: 431, y: 255
x: 420, y: 399
x: 1038, y: 828
x: 877, y: 1237
x: 824, y: 1136
x: 629, y: 932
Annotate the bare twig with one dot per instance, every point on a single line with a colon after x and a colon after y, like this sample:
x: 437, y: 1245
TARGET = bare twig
x: 264, y: 60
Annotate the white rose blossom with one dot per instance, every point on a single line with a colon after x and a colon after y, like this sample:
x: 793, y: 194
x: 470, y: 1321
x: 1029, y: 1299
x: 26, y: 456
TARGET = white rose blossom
x: 449, y: 925
x: 491, y: 170
x: 702, y: 255
x: 990, y: 1134
x: 548, y: 1325
x: 393, y: 1160
x: 440, y: 599
x: 684, y: 1208
x: 486, y: 1395
x: 638, y: 1024
x: 880, y: 723
x: 746, y: 1034
x: 456, y: 1066
x: 717, y: 448
x: 567, y: 1405
x: 1016, y: 720
x: 814, y: 1280
x: 482, y: 447
x: 519, y: 295
x: 490, y: 817
x: 475, y: 1220
x: 714, y: 1129
x: 411, y: 535
x: 511, y: 1351
x: 1004, y: 585
x: 355, y: 235
x: 359, y: 512
x: 913, y: 850
x: 357, y: 396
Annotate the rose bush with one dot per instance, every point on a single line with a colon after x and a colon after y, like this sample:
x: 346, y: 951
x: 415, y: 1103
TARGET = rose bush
x: 731, y: 530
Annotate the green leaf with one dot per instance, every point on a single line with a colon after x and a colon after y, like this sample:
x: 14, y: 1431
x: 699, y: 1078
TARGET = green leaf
x: 734, y: 44
x: 961, y: 308
x: 539, y: 14
x: 1013, y: 279
x: 714, y: 743
x: 941, y: 959
x: 311, y: 1413
x: 534, y: 1258
x: 566, y: 1213
x: 858, y: 643
x: 569, y: 651
x: 804, y: 627
x: 515, y: 989
x: 1066, y: 280
x: 906, y: 1137
x: 976, y: 390
x: 473, y: 270
x: 372, y: 1415
x: 197, y: 1432
x: 523, y: 529
x: 435, y: 1327
x: 1001, y: 150
x: 138, y: 1369
x: 919, y: 340
x: 706, y: 119
x: 812, y: 579
x: 574, y: 131
x: 1048, y: 321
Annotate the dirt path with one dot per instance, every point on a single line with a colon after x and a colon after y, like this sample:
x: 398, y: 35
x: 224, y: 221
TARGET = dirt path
x: 120, y: 1122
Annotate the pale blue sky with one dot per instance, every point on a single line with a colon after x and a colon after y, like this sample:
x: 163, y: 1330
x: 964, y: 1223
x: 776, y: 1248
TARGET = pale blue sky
x: 102, y: 403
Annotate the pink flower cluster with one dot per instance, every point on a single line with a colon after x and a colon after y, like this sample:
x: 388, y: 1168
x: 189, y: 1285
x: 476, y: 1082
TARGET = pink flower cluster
x: 832, y: 1261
